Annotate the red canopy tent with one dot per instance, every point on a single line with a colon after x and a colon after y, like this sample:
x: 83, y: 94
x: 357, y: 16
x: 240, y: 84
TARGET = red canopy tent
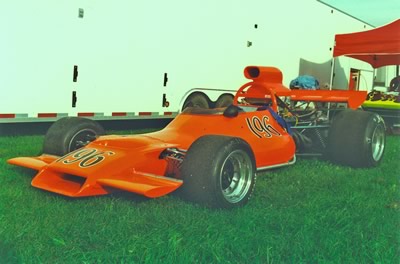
x: 378, y: 47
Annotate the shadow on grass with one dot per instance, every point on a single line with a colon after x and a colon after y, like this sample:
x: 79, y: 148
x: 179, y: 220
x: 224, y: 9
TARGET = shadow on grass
x: 130, y: 197
x: 25, y: 171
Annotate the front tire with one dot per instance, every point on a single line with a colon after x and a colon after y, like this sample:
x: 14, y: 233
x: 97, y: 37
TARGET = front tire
x: 357, y: 138
x: 218, y: 172
x: 70, y: 133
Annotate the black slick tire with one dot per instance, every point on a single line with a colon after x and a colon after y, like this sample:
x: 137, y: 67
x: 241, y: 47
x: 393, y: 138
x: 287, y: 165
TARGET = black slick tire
x: 70, y: 133
x: 356, y: 138
x: 218, y: 172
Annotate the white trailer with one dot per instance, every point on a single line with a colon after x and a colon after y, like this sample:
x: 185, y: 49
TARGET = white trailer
x: 127, y: 59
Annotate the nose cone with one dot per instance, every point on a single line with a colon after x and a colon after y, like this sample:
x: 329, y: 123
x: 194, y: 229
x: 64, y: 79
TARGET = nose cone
x: 129, y: 142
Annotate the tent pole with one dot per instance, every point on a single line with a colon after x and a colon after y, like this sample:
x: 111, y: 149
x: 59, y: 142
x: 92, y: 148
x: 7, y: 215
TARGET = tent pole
x: 373, y: 80
x: 331, y: 83
x: 332, y: 73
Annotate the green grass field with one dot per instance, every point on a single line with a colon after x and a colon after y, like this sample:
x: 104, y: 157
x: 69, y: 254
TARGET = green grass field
x: 312, y: 212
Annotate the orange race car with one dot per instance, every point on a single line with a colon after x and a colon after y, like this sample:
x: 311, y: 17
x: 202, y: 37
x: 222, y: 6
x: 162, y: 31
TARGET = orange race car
x: 211, y: 155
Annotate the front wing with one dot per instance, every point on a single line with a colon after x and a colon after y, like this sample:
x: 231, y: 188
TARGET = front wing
x: 102, y: 175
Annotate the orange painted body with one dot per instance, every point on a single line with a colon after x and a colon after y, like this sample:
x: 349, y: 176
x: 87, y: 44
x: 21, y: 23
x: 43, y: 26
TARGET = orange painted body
x: 267, y: 83
x: 134, y: 163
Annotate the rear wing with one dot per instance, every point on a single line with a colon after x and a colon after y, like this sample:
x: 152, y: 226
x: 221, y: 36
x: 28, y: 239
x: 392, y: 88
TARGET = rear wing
x: 267, y: 83
x: 354, y: 99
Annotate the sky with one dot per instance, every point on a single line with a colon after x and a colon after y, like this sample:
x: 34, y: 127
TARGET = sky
x: 374, y: 12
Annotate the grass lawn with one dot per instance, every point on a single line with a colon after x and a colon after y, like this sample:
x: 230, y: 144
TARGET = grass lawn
x: 312, y: 212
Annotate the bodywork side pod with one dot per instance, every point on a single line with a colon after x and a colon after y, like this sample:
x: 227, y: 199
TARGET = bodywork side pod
x: 290, y: 162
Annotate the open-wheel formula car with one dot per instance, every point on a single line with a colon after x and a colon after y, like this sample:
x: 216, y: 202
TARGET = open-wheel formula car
x: 211, y: 155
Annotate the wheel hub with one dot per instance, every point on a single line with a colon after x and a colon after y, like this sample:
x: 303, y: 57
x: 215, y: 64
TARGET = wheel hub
x: 236, y: 176
x: 378, y: 143
x: 81, y: 139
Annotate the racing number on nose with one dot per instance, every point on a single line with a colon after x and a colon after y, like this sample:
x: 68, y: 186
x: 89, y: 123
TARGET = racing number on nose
x: 261, y: 127
x: 86, y: 157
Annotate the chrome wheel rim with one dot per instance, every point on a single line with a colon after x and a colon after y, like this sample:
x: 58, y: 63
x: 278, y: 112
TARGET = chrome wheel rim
x: 378, y: 143
x: 236, y: 176
x: 81, y: 139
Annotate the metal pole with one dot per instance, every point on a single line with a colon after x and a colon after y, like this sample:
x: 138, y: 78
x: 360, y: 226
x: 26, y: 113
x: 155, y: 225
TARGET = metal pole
x: 373, y: 80
x: 331, y: 84
x: 332, y: 73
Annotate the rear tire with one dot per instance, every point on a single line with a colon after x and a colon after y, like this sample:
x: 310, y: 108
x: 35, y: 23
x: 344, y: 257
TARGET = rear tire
x: 218, y: 172
x: 357, y: 138
x: 70, y: 133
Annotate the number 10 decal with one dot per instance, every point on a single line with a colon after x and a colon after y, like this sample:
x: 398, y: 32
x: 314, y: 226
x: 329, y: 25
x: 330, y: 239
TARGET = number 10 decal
x: 261, y: 127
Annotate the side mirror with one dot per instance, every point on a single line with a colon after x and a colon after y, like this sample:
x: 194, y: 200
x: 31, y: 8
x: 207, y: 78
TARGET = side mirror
x: 232, y: 111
